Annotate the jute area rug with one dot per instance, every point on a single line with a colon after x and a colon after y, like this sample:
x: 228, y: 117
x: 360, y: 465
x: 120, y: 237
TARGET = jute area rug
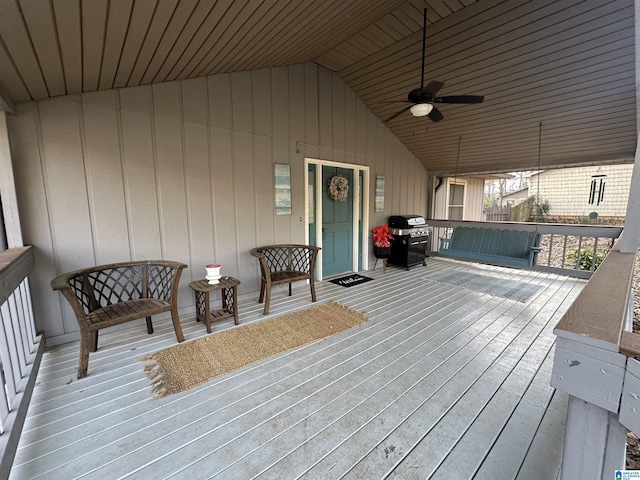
x: 188, y: 364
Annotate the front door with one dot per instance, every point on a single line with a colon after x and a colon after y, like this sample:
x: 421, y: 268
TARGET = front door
x: 337, y: 225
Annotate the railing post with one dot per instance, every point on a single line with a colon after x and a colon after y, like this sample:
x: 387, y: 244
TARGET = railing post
x: 594, y: 444
x: 589, y: 366
x: 8, y: 188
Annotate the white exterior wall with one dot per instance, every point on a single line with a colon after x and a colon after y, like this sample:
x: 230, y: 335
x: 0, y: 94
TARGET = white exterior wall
x: 474, y: 196
x: 184, y: 171
x: 567, y: 190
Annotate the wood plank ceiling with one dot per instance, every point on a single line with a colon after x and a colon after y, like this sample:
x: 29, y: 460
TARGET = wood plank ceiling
x: 566, y: 64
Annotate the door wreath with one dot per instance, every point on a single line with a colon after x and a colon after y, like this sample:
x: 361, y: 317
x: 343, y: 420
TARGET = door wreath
x: 338, y: 188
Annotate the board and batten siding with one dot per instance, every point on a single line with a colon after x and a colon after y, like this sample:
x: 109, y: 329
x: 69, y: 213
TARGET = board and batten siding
x: 184, y: 171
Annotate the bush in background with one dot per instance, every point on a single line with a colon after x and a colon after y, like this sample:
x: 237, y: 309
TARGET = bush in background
x: 586, y: 258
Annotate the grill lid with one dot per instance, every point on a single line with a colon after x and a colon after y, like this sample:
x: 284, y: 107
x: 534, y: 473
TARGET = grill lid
x: 406, y: 221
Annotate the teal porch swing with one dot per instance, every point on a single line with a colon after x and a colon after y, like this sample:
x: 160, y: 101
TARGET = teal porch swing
x: 493, y: 245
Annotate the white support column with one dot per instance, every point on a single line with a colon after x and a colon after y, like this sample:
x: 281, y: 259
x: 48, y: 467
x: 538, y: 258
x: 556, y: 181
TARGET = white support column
x: 637, y: 55
x: 631, y: 235
x: 615, y: 455
x: 592, y: 371
x: 594, y: 444
x: 8, y: 188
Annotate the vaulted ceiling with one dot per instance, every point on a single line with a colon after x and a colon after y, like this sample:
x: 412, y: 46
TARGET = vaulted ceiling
x: 558, y: 76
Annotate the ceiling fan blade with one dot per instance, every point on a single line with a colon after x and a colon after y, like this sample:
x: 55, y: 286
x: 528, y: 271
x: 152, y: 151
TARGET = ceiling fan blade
x: 459, y: 99
x: 397, y: 114
x: 435, y: 115
x: 433, y: 87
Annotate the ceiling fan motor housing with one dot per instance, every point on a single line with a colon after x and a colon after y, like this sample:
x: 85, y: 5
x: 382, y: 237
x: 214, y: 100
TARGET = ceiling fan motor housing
x: 418, y: 95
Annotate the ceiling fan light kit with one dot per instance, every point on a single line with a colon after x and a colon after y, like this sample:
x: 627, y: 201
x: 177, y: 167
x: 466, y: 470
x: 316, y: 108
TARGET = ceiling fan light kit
x: 421, y: 109
x: 424, y: 97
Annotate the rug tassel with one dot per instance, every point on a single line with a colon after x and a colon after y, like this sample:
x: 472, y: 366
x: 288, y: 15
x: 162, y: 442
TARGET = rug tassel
x: 344, y: 307
x: 152, y: 371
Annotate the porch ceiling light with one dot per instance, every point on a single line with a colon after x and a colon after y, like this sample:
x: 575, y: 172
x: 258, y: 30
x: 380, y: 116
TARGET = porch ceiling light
x: 421, y: 109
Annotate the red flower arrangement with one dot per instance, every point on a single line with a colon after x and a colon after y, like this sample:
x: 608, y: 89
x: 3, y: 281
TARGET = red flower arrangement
x: 381, y: 236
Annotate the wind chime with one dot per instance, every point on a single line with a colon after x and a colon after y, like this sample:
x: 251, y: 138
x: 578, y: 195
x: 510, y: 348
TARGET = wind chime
x: 596, y: 194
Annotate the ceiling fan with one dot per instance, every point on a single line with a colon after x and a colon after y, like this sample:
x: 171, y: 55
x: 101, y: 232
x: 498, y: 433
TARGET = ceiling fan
x: 423, y: 98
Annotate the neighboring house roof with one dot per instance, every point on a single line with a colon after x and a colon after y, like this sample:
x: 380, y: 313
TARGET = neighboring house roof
x: 493, y: 176
x: 517, y: 194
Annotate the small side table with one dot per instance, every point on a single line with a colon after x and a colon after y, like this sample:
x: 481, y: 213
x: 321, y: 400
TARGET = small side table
x: 228, y: 289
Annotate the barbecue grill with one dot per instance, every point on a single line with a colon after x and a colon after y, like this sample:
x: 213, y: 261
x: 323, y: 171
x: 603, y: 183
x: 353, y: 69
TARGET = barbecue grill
x: 410, y: 239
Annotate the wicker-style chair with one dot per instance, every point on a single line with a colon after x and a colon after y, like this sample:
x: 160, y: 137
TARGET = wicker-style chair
x: 107, y: 295
x: 280, y: 264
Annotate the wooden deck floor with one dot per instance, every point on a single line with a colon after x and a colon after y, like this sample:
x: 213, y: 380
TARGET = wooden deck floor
x: 442, y: 382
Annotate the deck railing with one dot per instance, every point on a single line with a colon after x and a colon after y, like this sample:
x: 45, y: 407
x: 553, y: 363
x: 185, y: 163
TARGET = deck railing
x: 21, y: 349
x: 562, y: 248
x: 594, y: 364
x: 596, y: 354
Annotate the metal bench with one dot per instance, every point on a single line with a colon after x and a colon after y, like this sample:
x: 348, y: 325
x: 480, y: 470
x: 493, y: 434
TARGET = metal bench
x: 280, y: 264
x: 107, y: 295
x: 513, y: 248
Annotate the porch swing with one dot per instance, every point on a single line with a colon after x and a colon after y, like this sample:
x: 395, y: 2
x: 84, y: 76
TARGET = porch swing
x: 492, y: 245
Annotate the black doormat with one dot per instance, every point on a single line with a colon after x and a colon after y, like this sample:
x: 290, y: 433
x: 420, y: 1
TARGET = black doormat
x: 350, y: 280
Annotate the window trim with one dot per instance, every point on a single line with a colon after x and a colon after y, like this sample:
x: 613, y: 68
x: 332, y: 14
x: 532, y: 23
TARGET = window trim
x: 451, y: 182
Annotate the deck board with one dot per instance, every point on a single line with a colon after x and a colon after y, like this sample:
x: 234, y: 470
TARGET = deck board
x: 480, y: 439
x: 349, y: 403
x: 406, y: 395
x: 548, y: 442
x: 515, y: 435
x: 421, y: 444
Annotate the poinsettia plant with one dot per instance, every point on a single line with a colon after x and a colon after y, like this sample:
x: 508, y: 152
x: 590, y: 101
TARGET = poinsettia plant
x: 381, y: 236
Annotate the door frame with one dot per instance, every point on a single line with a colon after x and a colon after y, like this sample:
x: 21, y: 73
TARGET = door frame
x: 360, y: 196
